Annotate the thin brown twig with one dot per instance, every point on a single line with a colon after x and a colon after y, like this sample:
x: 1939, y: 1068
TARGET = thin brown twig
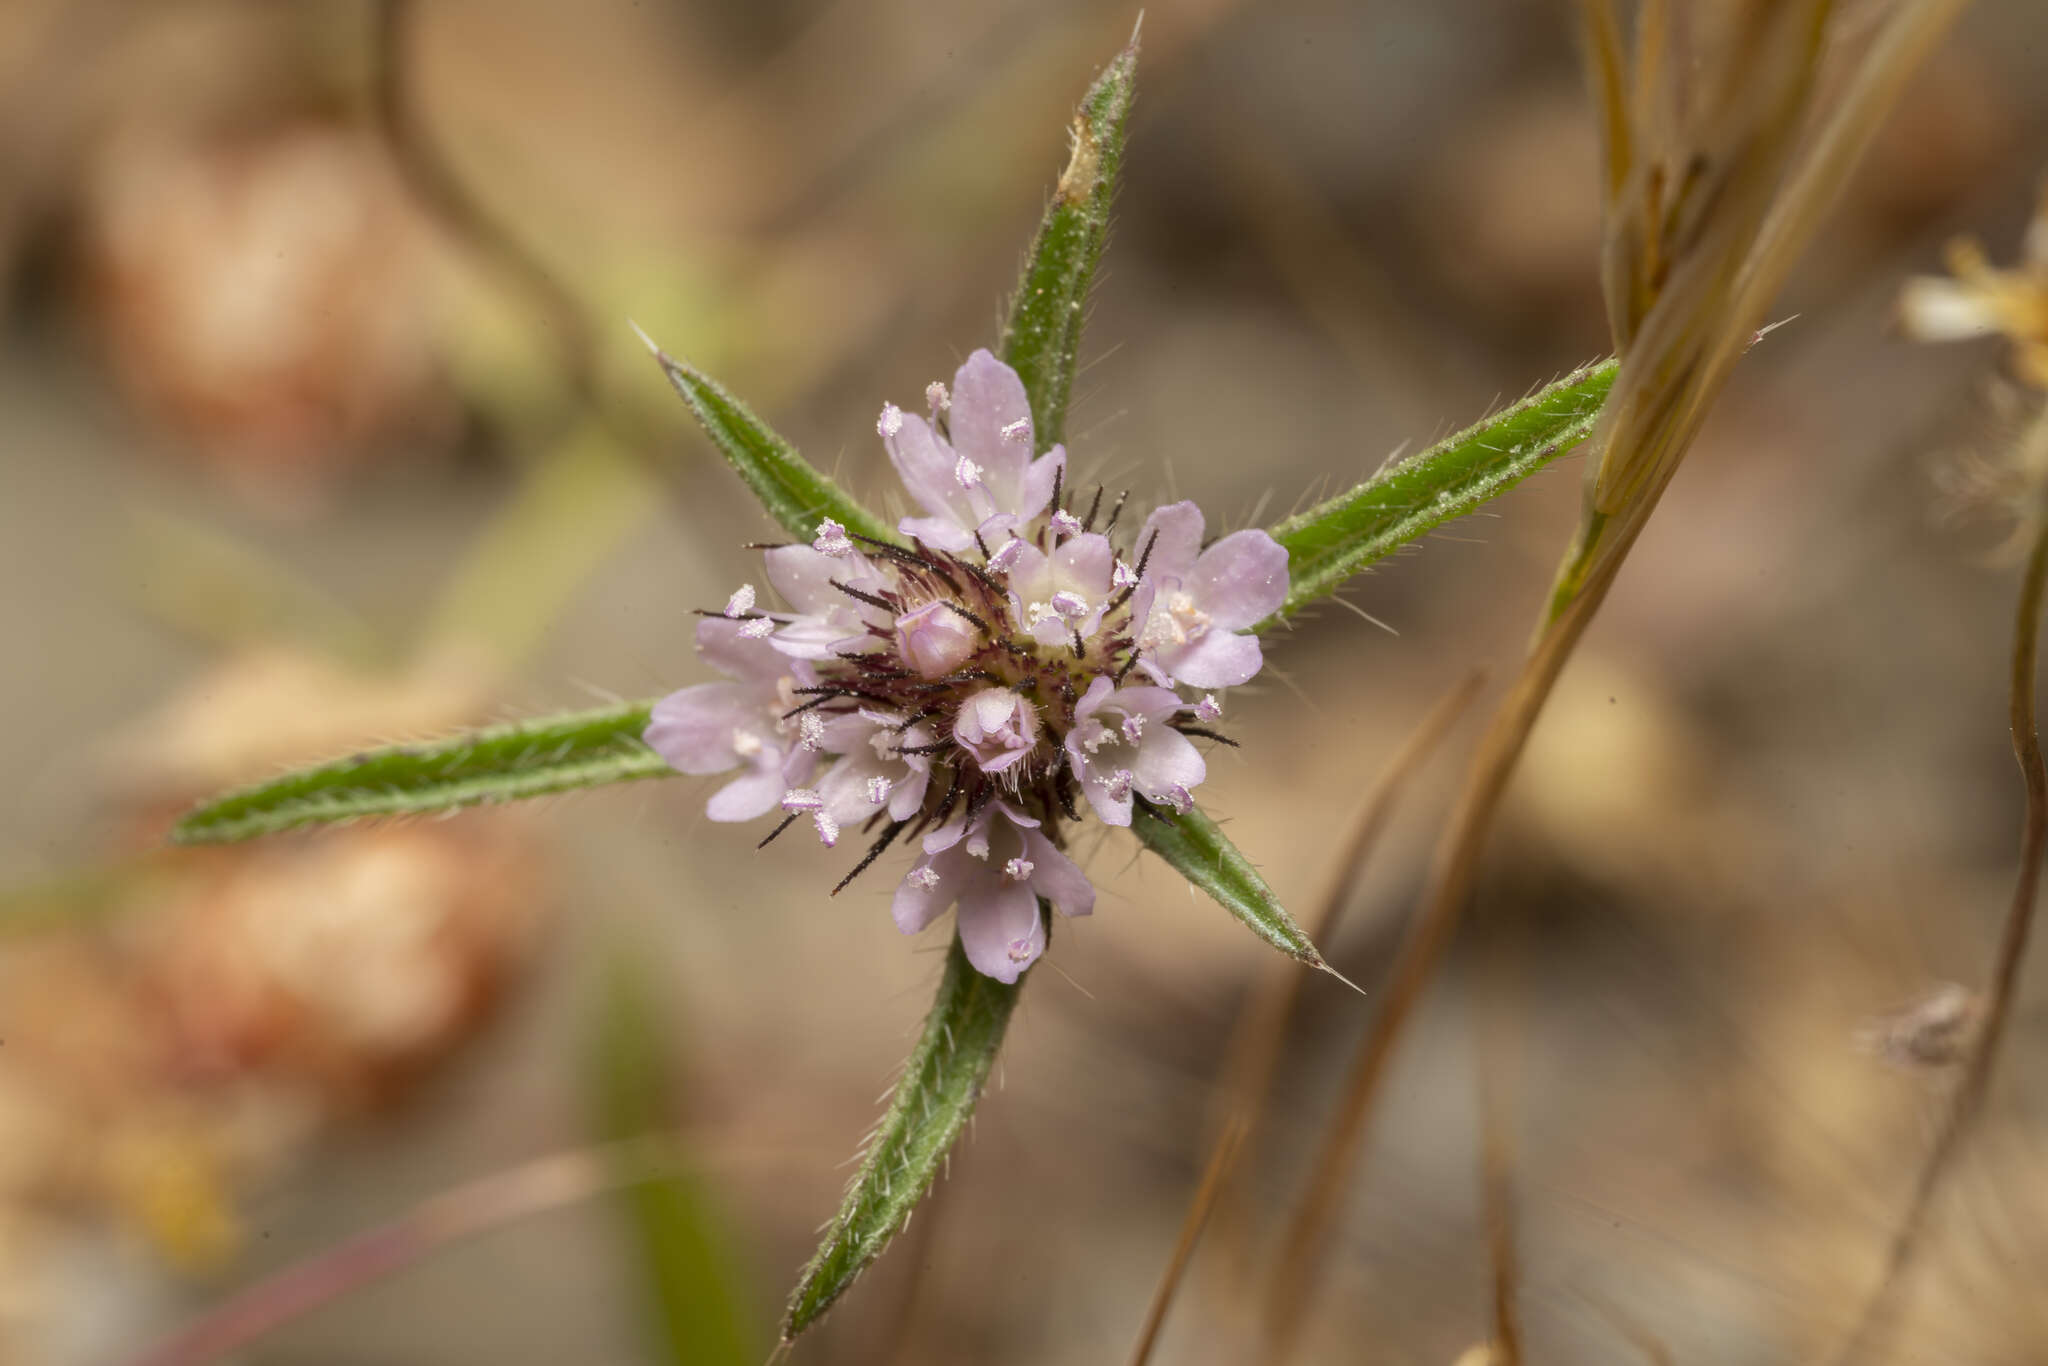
x: 427, y: 173
x: 1254, y: 1048
x: 1295, y: 1279
x: 480, y: 1206
x: 1864, y: 1341
x: 1213, y: 1177
x: 1494, y: 1067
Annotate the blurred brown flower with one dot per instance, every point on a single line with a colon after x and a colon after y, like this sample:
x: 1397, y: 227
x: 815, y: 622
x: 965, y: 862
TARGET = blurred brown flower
x: 265, y: 293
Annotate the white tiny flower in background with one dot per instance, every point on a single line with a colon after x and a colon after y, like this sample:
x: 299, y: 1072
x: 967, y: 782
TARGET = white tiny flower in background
x: 1978, y: 300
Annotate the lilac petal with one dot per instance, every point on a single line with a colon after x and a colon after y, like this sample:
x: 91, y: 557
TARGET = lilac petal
x: 745, y: 657
x: 987, y: 398
x: 816, y: 638
x: 1058, y: 878
x: 947, y: 835
x: 1240, y: 580
x: 850, y: 733
x: 1218, y: 660
x: 907, y: 797
x: 932, y: 884
x: 803, y: 577
x: 844, y: 788
x: 1179, y: 528
x: 745, y: 797
x: 1109, y: 809
x: 694, y: 729
x: 926, y: 465
x: 1000, y: 927
x: 1165, y: 761
x: 1035, y: 492
x: 939, y: 533
x: 1085, y: 564
x: 1154, y: 704
x: 1091, y: 701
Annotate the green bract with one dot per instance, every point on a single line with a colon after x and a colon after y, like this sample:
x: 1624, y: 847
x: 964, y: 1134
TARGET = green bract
x: 500, y: 764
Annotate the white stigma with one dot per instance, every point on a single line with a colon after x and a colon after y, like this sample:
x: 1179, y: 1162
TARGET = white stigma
x: 1117, y: 785
x: 757, y: 627
x: 890, y: 422
x: 967, y: 472
x: 924, y: 877
x: 811, y: 732
x: 1208, y: 709
x: 1123, y: 576
x: 828, y: 829
x: 800, y: 799
x: 936, y: 397
x: 878, y: 790
x: 1134, y: 726
x: 741, y: 602
x: 1018, y: 869
x: 1020, y: 430
x: 746, y: 744
x: 832, y: 540
x: 1066, y: 523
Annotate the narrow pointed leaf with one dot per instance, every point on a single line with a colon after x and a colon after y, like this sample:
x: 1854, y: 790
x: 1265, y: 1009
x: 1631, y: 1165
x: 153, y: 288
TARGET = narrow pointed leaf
x: 1342, y: 536
x: 1042, y: 336
x: 941, y: 1081
x: 501, y: 763
x: 792, y: 489
x: 1200, y: 852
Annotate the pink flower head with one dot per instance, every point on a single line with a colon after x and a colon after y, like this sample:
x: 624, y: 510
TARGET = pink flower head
x: 1204, y: 598
x: 713, y: 727
x: 1123, y: 742
x: 998, y: 727
x: 995, y: 868
x: 968, y: 686
x: 978, y: 477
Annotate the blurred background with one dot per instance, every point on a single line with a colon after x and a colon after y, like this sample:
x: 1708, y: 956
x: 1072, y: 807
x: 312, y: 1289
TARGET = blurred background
x: 322, y: 424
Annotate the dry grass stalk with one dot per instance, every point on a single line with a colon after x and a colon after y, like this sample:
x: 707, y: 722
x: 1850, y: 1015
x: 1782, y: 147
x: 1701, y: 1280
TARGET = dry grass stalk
x: 1869, y: 1337
x: 1708, y: 207
x: 478, y: 1207
x: 1493, y: 1073
x: 1255, y: 1043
